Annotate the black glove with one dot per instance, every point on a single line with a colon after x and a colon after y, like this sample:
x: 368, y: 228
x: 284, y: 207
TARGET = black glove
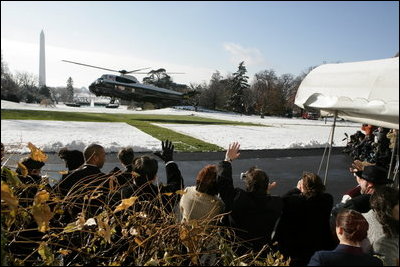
x: 167, y: 151
x: 116, y: 169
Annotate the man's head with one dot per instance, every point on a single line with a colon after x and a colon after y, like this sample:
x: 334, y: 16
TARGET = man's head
x: 126, y: 156
x: 95, y: 154
x: 33, y: 166
x: 371, y: 177
x: 73, y: 158
x: 256, y: 180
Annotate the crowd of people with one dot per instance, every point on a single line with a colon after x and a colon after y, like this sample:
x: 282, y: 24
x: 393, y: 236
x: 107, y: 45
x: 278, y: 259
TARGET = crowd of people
x: 305, y: 223
x: 372, y: 144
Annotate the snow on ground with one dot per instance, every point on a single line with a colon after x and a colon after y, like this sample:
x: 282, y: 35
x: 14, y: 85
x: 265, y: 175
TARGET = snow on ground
x: 255, y: 137
x: 50, y: 136
x: 281, y: 133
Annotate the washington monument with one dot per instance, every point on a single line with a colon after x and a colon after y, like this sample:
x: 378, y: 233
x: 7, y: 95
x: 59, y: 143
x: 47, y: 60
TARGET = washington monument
x: 42, y: 62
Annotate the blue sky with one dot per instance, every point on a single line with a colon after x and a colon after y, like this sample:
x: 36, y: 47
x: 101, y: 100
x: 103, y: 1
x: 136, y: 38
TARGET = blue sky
x: 194, y: 37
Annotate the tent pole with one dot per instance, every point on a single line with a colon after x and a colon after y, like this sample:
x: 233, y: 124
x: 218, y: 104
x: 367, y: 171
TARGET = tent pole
x: 323, y: 156
x: 391, y: 160
x: 330, y: 147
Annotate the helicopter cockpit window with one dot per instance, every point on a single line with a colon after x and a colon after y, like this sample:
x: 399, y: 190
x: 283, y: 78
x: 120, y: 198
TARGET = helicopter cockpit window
x: 108, y: 77
x: 123, y: 80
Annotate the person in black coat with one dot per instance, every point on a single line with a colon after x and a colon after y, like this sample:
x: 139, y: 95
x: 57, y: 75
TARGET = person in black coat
x: 144, y: 169
x: 126, y: 157
x: 73, y: 160
x: 81, y: 186
x: 33, y: 167
x: 351, y: 229
x: 94, y: 155
x: 304, y: 225
x: 252, y: 212
x: 370, y: 178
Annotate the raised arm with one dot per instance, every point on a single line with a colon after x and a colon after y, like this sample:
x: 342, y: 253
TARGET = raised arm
x: 174, y: 176
x: 224, y: 176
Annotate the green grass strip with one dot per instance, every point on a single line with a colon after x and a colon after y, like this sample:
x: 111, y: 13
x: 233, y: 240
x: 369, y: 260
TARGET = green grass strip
x: 143, y: 122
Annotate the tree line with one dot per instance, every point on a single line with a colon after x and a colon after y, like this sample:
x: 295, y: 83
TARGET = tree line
x: 267, y: 94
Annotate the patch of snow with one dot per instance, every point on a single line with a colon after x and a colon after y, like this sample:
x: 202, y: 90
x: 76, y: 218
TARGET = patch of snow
x: 51, y: 136
x: 278, y: 133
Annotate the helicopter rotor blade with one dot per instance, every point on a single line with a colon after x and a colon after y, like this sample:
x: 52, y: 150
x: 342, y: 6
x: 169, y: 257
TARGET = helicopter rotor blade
x: 137, y: 70
x: 89, y: 65
x: 165, y: 73
x: 176, y: 73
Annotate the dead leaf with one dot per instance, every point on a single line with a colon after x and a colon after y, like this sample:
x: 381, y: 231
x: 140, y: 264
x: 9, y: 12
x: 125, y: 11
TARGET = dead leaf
x: 11, y: 176
x: 180, y: 192
x: 64, y: 251
x: 23, y: 168
x: 41, y: 197
x: 36, y: 153
x: 42, y: 215
x: 167, y: 194
x: 8, y: 196
x: 75, y: 226
x: 138, y: 241
x: 46, y: 253
x: 135, y: 174
x: 104, y: 228
x: 112, y: 181
x: 125, y: 203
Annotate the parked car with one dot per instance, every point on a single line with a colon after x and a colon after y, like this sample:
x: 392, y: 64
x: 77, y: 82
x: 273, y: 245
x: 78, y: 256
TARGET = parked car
x: 310, y: 116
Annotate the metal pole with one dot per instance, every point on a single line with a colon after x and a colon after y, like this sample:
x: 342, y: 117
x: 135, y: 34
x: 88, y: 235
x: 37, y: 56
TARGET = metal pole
x: 330, y: 147
x: 392, y: 157
x: 323, y: 155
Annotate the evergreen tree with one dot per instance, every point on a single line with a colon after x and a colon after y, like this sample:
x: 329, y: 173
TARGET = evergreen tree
x: 45, y: 92
x: 70, y: 90
x: 160, y: 78
x: 238, y: 86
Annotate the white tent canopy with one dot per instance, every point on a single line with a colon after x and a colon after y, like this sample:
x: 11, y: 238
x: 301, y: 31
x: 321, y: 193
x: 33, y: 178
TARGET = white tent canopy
x: 366, y: 91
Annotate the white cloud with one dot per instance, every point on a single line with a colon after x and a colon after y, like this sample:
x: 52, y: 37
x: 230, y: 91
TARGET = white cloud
x: 238, y: 53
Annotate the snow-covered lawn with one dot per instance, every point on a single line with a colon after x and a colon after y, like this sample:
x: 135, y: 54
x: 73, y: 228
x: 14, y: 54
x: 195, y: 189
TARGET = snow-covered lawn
x: 279, y: 133
x: 53, y: 135
x: 254, y: 137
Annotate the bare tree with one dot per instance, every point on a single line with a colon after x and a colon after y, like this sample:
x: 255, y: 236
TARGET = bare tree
x: 28, y: 84
x: 271, y: 98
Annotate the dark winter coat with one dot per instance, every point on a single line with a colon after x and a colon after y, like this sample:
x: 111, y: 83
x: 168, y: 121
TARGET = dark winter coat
x: 147, y: 191
x: 359, y: 203
x: 304, y: 226
x: 344, y: 255
x: 82, y: 175
x: 252, y: 215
